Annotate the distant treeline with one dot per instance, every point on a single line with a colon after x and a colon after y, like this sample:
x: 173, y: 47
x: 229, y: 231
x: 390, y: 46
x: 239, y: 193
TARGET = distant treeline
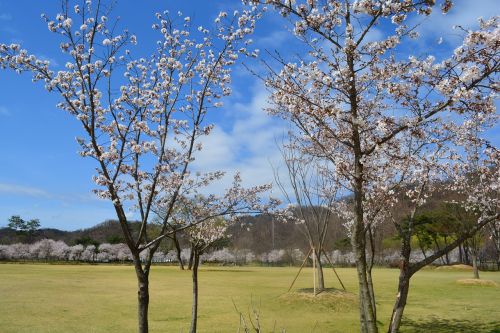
x: 257, y: 233
x: 253, y: 239
x: 48, y: 250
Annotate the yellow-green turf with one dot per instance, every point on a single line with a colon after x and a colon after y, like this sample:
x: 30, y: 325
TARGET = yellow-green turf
x: 42, y: 298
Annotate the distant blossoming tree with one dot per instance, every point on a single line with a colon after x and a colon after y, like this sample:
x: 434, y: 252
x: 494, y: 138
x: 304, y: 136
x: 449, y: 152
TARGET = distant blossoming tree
x: 215, y: 214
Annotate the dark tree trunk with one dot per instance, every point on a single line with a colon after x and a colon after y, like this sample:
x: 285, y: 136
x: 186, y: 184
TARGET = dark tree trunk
x: 367, y: 316
x: 194, y: 312
x: 319, y: 271
x: 438, y: 250
x: 446, y: 255
x: 369, y: 279
x: 404, y: 282
x: 371, y: 292
x: 399, y: 306
x: 191, y: 257
x: 474, y: 265
x: 466, y: 254
x: 460, y: 255
x: 422, y: 247
x: 142, y: 295
x: 178, y: 250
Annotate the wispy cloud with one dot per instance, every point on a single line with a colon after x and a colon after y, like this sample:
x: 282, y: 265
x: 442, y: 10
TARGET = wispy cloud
x: 4, y: 111
x: 15, y: 189
x: 53, y: 62
x: 464, y: 13
x: 5, y: 17
x: 273, y: 39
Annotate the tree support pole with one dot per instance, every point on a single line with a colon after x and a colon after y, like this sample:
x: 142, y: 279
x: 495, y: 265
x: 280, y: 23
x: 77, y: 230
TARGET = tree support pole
x: 301, y: 266
x: 314, y: 271
x: 334, y: 270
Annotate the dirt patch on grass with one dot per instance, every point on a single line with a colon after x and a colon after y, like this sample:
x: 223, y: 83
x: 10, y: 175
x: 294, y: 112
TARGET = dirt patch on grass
x: 477, y: 282
x: 330, y: 298
x: 460, y: 267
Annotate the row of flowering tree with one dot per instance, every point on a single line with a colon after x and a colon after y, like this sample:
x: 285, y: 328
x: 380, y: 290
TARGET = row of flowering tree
x: 48, y: 249
x: 387, y: 119
x: 143, y: 118
x: 216, y: 252
x: 210, y: 251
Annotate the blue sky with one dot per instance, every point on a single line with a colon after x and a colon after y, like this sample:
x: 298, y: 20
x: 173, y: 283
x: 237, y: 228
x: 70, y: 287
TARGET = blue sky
x: 41, y: 174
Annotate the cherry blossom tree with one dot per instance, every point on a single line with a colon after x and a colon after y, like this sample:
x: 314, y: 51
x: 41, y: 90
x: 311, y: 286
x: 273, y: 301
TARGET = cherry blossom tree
x: 469, y: 215
x: 75, y: 252
x: 494, y: 235
x: 18, y: 251
x: 363, y: 104
x: 143, y: 119
x: 202, y: 237
x: 60, y: 251
x: 209, y: 218
x: 222, y: 256
x: 89, y: 254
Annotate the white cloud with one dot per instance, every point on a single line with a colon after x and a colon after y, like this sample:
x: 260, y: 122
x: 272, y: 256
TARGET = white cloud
x: 218, y: 148
x: 23, y: 190
x: 247, y: 144
x: 464, y: 13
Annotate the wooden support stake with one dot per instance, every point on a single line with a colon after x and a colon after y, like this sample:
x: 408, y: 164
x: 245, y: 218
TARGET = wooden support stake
x: 301, y: 266
x: 314, y: 271
x: 335, y: 271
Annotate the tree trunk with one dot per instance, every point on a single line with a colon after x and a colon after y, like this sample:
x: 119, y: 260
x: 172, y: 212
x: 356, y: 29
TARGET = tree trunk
x: 460, y: 254
x: 399, y: 306
x: 369, y: 279
x: 438, y: 250
x: 446, y: 255
x: 142, y: 296
x: 474, y: 265
x: 421, y: 246
x: 367, y: 316
x: 319, y: 271
x: 194, y: 312
x: 404, y: 281
x: 191, y: 257
x: 178, y: 250
x: 466, y: 254
x: 358, y: 239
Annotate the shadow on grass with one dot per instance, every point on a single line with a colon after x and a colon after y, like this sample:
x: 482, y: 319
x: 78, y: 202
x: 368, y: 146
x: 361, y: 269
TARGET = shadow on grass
x: 440, y: 325
x: 326, y: 290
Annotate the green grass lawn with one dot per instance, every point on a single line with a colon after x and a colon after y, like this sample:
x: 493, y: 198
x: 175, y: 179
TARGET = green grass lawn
x: 102, y: 299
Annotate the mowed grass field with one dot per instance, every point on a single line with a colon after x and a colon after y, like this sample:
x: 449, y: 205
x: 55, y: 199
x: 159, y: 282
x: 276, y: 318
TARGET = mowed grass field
x: 42, y: 298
